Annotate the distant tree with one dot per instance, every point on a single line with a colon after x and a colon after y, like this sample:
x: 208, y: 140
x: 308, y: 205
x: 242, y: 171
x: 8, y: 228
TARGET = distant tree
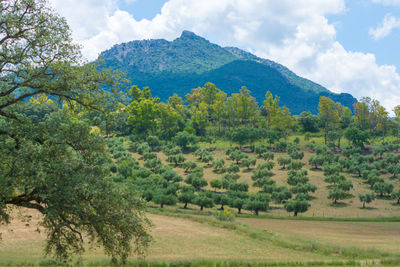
x: 356, y: 136
x: 237, y: 199
x: 204, y: 200
x: 383, y: 188
x: 366, y: 198
x: 184, y: 139
x: 316, y: 160
x: 329, y: 114
x: 232, y: 168
x: 187, y: 195
x: 221, y: 199
x: 280, y: 194
x: 247, y: 162
x: 257, y: 202
x: 268, y: 156
x: 196, y: 180
x: 216, y: 184
x: 218, y: 164
x: 189, y: 165
x: 283, y: 161
x: 340, y: 191
x: 396, y: 196
x: 308, y: 122
x: 165, y: 196
x: 177, y: 159
x: 296, y: 206
x: 237, y: 156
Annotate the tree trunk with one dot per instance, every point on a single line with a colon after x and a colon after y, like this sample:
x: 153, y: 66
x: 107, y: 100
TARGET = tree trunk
x: 162, y: 205
x: 363, y: 204
x: 256, y: 211
x: 222, y: 207
x: 240, y: 209
x: 185, y: 207
x: 201, y: 208
x: 295, y: 213
x: 383, y: 136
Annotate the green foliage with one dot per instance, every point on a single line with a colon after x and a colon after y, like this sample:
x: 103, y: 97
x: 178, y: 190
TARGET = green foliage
x: 356, y: 136
x: 218, y: 164
x: 396, y: 196
x: 281, y: 194
x: 184, y: 139
x: 268, y: 156
x: 177, y: 159
x: 257, y: 202
x: 189, y: 165
x: 296, y: 206
x: 237, y: 199
x: 340, y: 191
x: 308, y: 122
x: 247, y: 162
x: 316, y: 161
x: 225, y: 215
x: 383, y: 188
x: 232, y: 168
x: 52, y: 161
x: 187, y: 195
x: 260, y: 150
x: 244, y: 135
x: 366, y: 198
x: 283, y: 161
x: 237, y: 156
x: 216, y: 184
x: 196, y: 180
x: 204, y: 200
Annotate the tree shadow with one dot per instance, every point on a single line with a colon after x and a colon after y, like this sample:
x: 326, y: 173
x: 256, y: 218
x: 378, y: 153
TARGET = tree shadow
x: 339, y: 205
x: 368, y: 208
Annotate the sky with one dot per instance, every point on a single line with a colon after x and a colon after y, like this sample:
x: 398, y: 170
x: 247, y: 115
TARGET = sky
x: 347, y: 46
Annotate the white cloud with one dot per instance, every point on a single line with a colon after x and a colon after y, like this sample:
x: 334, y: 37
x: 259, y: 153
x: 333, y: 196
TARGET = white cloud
x: 388, y: 24
x: 295, y: 34
x: 388, y: 2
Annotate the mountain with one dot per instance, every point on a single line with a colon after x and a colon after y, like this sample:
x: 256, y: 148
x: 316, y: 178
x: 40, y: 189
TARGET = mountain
x: 190, y: 61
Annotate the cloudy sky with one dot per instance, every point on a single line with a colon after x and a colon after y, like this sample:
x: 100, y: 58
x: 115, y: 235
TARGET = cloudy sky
x: 347, y: 46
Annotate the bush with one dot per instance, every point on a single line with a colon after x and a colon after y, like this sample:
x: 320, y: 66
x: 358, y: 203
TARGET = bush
x: 226, y: 215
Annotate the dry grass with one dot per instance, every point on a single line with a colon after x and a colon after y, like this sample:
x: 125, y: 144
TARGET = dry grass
x: 174, y: 239
x: 367, y: 235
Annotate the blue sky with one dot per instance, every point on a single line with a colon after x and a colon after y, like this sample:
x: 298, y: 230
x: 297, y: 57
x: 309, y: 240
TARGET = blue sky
x: 347, y: 46
x: 352, y: 26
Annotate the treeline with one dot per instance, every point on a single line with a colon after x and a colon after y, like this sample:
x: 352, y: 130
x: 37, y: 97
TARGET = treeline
x: 208, y: 112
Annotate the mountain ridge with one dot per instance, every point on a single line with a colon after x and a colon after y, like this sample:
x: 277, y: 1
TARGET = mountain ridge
x: 190, y: 61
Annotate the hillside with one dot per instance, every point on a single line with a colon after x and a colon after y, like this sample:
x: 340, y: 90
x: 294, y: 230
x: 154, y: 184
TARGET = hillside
x: 190, y: 61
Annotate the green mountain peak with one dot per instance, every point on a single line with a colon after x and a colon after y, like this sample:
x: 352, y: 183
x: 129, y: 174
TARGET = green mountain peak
x: 191, y: 60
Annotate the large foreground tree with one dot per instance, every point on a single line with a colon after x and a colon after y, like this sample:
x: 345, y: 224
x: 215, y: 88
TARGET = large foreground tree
x: 49, y: 159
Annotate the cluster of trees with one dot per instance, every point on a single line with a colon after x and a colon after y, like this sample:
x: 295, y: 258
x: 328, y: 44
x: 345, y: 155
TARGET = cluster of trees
x: 209, y: 113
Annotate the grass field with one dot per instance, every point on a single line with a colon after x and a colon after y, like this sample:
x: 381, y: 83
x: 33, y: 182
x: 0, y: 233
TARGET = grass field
x: 203, y: 239
x: 178, y: 238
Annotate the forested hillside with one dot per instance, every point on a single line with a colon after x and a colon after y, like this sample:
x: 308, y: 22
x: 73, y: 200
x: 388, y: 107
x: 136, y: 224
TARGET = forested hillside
x: 191, y: 61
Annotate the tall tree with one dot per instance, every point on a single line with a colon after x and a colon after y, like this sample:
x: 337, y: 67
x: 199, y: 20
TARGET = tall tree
x: 329, y: 114
x: 53, y: 163
x: 270, y: 108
